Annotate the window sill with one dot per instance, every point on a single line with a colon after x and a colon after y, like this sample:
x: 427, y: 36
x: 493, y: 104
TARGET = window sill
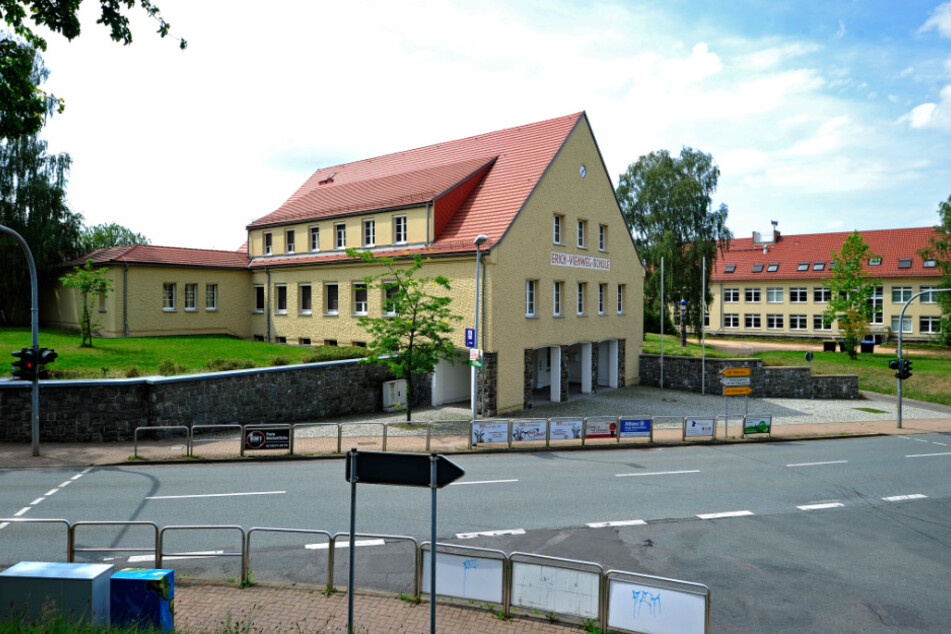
x: 558, y: 316
x: 358, y: 314
x: 191, y: 310
x: 168, y: 310
x: 211, y: 310
x: 305, y: 313
x: 280, y: 312
x: 257, y: 312
x: 531, y: 316
x: 331, y: 314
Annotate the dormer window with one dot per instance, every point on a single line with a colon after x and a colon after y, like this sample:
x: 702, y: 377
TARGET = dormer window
x: 757, y: 268
x: 818, y: 266
x: 803, y: 266
x: 904, y: 263
x: 929, y: 263
x: 267, y: 243
x: 773, y: 267
x: 290, y: 240
x: 729, y: 268
x: 875, y: 261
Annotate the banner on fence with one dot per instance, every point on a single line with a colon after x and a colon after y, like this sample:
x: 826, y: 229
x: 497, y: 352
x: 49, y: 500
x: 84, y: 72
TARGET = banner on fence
x: 553, y: 589
x: 698, y: 427
x: 267, y: 438
x: 601, y: 428
x: 565, y: 429
x: 490, y: 432
x: 465, y: 577
x: 757, y: 424
x: 528, y: 430
x: 635, y: 428
x: 655, y: 609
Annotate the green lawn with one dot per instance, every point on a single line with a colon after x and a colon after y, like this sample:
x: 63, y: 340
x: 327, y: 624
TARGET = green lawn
x: 672, y: 348
x: 147, y: 356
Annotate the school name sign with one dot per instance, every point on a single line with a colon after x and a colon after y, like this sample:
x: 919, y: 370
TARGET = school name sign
x: 580, y: 261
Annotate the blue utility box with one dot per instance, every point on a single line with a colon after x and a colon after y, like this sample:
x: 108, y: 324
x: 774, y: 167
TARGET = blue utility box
x: 36, y: 589
x: 143, y: 597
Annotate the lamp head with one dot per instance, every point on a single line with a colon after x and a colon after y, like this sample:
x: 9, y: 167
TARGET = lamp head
x: 480, y: 240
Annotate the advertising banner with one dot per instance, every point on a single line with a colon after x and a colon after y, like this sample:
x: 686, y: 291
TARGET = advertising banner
x: 267, y: 438
x: 490, y: 432
x: 635, y: 428
x: 601, y: 428
x: 528, y: 430
x: 757, y: 424
x: 698, y: 427
x: 565, y: 429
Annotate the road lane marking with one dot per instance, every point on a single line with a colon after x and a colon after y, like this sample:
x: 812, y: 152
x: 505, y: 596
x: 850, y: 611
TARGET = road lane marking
x: 902, y: 498
x: 213, y: 495
x: 935, y: 442
x: 816, y: 507
x: 21, y: 511
x: 50, y: 492
x: 717, y: 516
x: 928, y: 455
x: 4, y: 525
x: 653, y: 473
x: 816, y: 464
x: 617, y: 523
x: 455, y: 484
x: 201, y: 554
x: 505, y: 531
x: 36, y: 501
x: 65, y: 484
x: 343, y: 543
x: 919, y: 440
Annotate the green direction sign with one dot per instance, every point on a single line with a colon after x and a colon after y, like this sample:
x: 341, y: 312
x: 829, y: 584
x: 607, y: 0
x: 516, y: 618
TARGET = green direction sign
x: 475, y: 363
x: 757, y: 424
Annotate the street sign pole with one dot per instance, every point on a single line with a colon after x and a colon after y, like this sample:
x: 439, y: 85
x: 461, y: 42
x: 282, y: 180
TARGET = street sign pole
x: 353, y: 536
x: 434, y: 460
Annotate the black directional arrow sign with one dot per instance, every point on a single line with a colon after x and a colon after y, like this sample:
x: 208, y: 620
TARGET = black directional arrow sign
x: 402, y: 469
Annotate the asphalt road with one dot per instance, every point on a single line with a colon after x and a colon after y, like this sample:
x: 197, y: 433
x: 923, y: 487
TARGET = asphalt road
x: 847, y: 534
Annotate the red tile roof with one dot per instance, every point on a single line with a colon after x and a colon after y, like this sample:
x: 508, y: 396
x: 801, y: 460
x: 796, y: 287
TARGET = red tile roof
x: 166, y: 256
x: 791, y: 251
x: 414, y: 177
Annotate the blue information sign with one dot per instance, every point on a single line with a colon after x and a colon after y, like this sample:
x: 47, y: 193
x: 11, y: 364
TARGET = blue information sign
x: 635, y: 427
x: 470, y: 338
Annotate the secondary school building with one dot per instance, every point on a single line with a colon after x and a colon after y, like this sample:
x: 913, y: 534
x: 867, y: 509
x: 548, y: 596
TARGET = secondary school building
x: 561, y: 281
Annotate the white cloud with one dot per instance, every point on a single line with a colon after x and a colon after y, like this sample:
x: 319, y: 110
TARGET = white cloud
x: 907, y: 71
x: 940, y: 20
x: 774, y: 57
x: 931, y: 115
x: 841, y: 32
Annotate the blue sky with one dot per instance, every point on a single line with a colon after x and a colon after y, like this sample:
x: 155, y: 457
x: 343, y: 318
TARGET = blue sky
x: 822, y: 115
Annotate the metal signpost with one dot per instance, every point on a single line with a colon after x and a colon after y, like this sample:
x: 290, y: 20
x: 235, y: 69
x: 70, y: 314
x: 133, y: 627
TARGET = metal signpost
x: 735, y: 382
x: 901, y: 320
x: 400, y: 469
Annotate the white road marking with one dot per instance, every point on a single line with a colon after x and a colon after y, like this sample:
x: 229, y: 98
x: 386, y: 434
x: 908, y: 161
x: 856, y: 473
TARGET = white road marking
x: 4, y: 525
x: 617, y: 523
x: 816, y: 464
x: 816, y: 507
x: 507, y: 531
x: 36, y: 501
x: 653, y: 473
x: 902, y: 498
x: 717, y: 516
x: 77, y: 476
x: 65, y: 484
x: 455, y: 484
x: 213, y: 495
x: 919, y: 440
x: 343, y: 543
x: 87, y: 470
x: 201, y: 554
x: 905, y: 437
x: 50, y: 492
x: 21, y: 511
x: 935, y: 442
x: 928, y: 455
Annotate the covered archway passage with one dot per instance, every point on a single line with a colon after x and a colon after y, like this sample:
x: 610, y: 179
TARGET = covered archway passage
x: 608, y: 363
x: 580, y: 367
x: 545, y: 373
x: 452, y: 383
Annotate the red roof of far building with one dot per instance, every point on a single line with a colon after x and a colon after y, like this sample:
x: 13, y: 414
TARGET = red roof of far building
x: 898, y: 249
x: 498, y: 172
x: 166, y: 256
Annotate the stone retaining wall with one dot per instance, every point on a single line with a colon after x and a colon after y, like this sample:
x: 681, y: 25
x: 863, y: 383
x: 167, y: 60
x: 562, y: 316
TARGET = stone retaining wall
x: 111, y: 409
x: 684, y: 373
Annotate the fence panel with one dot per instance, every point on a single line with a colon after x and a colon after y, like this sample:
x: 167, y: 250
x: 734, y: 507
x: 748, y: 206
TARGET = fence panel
x: 380, y: 562
x: 530, y: 432
x: 216, y: 441
x: 601, y: 429
x: 161, y: 442
x: 315, y: 439
x: 364, y: 436
x: 464, y: 572
x: 38, y: 545
x: 273, y: 439
x: 448, y: 435
x: 115, y: 539
x: 565, y: 430
x: 633, y: 428
x: 655, y: 605
x: 407, y: 436
x: 490, y: 431
x: 205, y: 548
x: 288, y: 554
x: 554, y: 585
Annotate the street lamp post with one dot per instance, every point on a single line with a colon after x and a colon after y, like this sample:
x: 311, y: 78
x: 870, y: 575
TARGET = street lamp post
x: 683, y: 323
x: 479, y: 241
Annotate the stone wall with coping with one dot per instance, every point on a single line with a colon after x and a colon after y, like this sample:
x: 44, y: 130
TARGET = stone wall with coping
x: 685, y: 373
x: 111, y: 409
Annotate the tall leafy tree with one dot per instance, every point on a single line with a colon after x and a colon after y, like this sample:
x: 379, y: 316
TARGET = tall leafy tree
x: 109, y: 235
x: 91, y: 283
x: 851, y: 287
x: 939, y: 249
x: 667, y: 202
x: 413, y: 334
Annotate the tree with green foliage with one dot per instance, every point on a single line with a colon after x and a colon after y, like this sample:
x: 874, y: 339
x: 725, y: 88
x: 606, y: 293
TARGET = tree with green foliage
x: 851, y: 287
x: 412, y: 335
x: 667, y: 202
x: 939, y: 250
x: 91, y: 283
x: 109, y: 235
x: 23, y: 104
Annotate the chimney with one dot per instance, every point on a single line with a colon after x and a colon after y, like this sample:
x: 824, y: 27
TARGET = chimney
x: 776, y: 236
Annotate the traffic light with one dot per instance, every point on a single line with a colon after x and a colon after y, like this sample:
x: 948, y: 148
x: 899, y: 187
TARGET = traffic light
x: 894, y: 365
x: 905, y: 371
x: 45, y: 356
x: 24, y: 368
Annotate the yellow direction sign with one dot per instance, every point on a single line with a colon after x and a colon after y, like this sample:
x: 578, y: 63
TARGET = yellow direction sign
x: 737, y: 391
x: 735, y: 371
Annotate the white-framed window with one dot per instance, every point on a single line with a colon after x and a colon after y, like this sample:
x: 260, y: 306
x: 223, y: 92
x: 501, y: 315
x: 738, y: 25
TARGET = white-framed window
x: 258, y: 298
x: 581, y: 289
x: 211, y: 297
x: 772, y: 267
x: 369, y: 233
x: 798, y: 295
x: 818, y: 266
x: 399, y: 229
x: 774, y: 322
x: 168, y: 296
x: 821, y: 295
x: 556, y: 298
x: 289, y: 240
x: 752, y: 295
x: 305, y: 298
x: 731, y: 320
x: 602, y: 237
x: 819, y: 323
x: 731, y: 295
x: 798, y: 322
x: 331, y: 298
x: 905, y: 324
x: 901, y: 294
x: 556, y: 228
x: 706, y: 319
x: 360, y: 298
x: 929, y: 325
x: 280, y: 296
x: 340, y: 235
x: 268, y: 243
x: 802, y: 266
x: 929, y: 263
x: 390, y: 295
x: 928, y: 298
x: 582, y: 230
x: 315, y: 238
x: 191, y: 297
x: 620, y: 298
x: 774, y: 296
x: 530, y: 286
x: 877, y: 302
x: 752, y: 321
x: 602, y: 291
